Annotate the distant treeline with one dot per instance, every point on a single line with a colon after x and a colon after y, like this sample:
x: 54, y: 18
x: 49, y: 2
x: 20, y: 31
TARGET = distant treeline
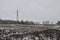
x: 58, y: 23
x: 21, y: 22
x: 15, y: 22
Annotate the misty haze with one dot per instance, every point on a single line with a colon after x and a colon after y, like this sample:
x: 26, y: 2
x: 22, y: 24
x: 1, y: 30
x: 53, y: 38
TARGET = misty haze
x: 29, y: 20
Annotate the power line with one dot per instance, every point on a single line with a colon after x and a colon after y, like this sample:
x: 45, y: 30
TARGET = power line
x: 17, y: 18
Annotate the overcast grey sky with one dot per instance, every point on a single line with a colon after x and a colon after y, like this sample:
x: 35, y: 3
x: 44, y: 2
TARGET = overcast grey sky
x: 33, y: 10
